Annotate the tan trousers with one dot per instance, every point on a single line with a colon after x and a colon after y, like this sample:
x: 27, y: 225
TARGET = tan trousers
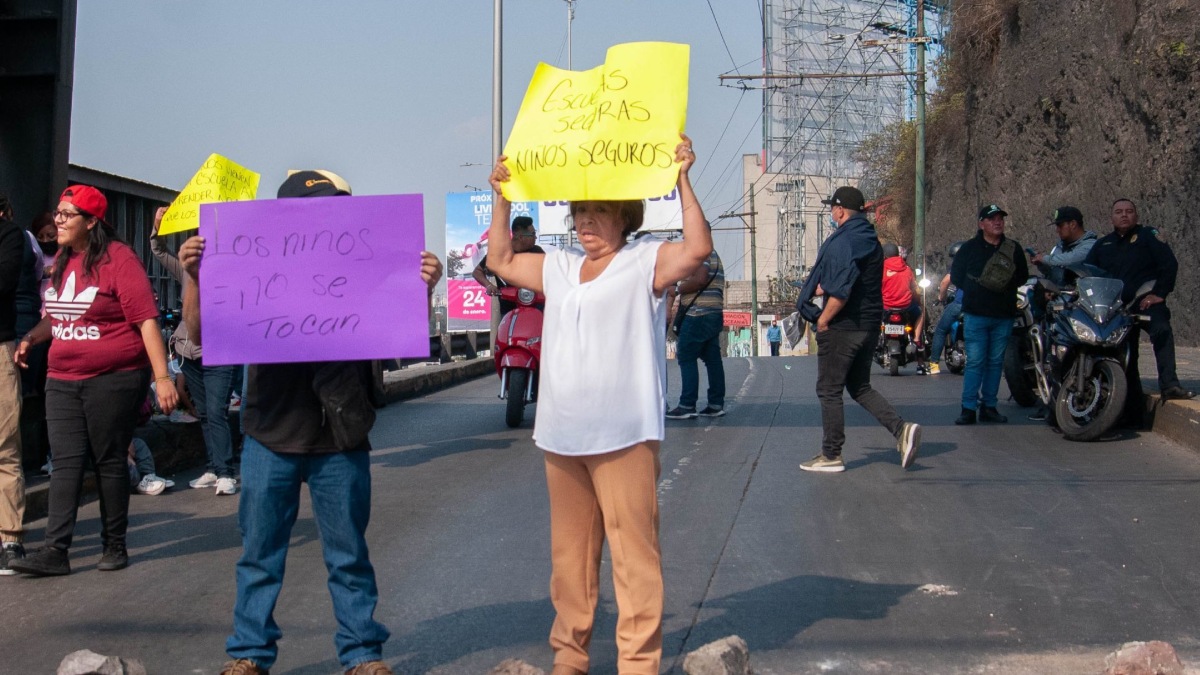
x: 12, y: 481
x: 592, y: 498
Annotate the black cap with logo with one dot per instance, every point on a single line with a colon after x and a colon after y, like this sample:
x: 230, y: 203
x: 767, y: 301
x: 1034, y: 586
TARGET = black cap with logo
x: 991, y: 210
x: 846, y: 197
x: 1064, y: 213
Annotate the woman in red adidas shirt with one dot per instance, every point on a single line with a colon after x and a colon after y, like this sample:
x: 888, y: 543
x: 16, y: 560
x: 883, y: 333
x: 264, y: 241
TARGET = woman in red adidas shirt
x: 102, y: 324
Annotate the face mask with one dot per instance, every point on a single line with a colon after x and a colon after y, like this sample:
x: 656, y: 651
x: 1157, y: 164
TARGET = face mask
x: 48, y: 247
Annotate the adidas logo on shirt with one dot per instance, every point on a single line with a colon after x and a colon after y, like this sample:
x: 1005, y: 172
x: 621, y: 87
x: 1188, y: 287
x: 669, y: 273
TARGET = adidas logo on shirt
x: 68, y: 308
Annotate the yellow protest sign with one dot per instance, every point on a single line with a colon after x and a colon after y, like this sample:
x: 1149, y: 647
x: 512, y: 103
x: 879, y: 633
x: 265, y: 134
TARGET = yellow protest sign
x: 605, y: 133
x: 218, y: 180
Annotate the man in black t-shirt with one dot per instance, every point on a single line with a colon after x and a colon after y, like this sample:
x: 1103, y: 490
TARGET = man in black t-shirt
x: 524, y: 240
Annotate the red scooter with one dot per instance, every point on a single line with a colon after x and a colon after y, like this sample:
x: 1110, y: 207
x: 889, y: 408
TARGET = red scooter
x: 518, y: 351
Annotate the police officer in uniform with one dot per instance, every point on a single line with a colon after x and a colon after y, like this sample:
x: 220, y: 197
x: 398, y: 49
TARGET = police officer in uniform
x: 1134, y: 254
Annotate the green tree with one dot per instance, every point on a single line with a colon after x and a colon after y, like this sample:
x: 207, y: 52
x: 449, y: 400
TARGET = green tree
x: 454, y: 263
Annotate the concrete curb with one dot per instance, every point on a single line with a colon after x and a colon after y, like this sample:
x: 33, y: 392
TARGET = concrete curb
x: 180, y: 447
x: 1176, y: 420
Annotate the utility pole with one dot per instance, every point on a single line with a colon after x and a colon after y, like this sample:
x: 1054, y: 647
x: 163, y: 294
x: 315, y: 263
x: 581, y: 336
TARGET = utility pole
x: 497, y: 119
x: 753, y: 278
x: 753, y: 266
x: 919, y: 169
x: 570, y: 20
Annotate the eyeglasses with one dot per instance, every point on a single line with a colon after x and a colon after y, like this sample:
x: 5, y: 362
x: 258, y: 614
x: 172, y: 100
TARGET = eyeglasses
x: 66, y: 215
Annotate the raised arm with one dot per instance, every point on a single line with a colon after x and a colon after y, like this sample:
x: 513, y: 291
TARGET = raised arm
x: 169, y: 262
x: 678, y: 259
x: 189, y: 257
x: 523, y: 270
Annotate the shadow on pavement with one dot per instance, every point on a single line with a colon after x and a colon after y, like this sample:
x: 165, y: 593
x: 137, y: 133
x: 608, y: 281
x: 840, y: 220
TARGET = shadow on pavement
x: 447, y: 638
x: 771, y: 616
x: 396, y: 458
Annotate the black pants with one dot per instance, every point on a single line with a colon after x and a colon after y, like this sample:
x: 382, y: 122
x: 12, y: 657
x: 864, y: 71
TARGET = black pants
x: 96, y: 416
x: 1163, y: 339
x: 844, y: 363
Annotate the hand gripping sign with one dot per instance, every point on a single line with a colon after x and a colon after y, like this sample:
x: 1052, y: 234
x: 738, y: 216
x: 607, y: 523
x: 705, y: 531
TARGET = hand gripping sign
x: 315, y: 279
x: 217, y: 180
x: 605, y: 133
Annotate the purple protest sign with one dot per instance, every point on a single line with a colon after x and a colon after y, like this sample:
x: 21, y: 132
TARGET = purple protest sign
x: 314, y: 279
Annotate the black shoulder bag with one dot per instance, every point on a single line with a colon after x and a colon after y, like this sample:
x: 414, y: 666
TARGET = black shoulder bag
x: 677, y: 324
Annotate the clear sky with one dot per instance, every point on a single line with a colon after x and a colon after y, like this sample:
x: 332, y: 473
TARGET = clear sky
x: 393, y: 95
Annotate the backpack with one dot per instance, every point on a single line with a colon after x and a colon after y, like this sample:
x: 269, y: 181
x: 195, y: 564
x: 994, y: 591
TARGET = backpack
x: 999, y: 269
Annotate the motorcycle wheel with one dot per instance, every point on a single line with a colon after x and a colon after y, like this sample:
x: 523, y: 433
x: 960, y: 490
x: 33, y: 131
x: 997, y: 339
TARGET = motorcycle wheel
x: 514, y: 413
x: 1103, y: 405
x: 956, y: 360
x: 894, y: 367
x: 1019, y: 379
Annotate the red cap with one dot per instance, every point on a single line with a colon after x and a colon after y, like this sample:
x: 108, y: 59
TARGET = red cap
x: 87, y: 199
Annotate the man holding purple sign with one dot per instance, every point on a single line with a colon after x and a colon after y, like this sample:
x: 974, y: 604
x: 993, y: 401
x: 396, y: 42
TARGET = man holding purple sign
x: 304, y: 423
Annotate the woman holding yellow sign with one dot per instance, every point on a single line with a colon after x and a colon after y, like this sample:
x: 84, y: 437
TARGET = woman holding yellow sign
x: 603, y: 342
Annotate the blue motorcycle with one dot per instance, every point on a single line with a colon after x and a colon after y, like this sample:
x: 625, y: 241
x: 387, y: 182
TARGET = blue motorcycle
x: 1082, y: 349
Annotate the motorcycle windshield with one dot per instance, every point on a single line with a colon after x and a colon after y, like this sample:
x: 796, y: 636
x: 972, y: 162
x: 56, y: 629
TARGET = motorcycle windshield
x: 1100, y: 297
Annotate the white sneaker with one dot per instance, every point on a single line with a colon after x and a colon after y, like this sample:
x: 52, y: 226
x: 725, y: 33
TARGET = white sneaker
x: 169, y: 483
x: 209, y: 479
x: 227, y: 486
x: 151, y: 485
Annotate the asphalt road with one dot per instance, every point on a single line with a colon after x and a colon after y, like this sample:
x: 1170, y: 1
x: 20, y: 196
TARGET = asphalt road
x: 1005, y: 549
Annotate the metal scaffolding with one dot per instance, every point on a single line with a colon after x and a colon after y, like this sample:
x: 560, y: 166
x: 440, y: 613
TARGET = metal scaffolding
x: 814, y: 126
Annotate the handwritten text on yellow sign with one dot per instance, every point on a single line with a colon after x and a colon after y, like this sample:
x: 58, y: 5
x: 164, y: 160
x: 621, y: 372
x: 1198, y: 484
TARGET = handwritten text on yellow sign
x: 218, y: 180
x: 605, y: 133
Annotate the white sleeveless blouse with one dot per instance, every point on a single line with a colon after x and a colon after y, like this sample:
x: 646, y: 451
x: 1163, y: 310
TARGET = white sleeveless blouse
x: 603, y: 367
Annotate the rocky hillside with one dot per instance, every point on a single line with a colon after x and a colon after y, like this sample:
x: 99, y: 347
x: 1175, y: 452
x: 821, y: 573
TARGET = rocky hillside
x: 1072, y: 102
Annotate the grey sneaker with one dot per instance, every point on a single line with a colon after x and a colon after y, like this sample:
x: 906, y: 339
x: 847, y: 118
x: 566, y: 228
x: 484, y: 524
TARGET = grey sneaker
x: 681, y: 413
x: 909, y: 443
x: 712, y: 411
x: 151, y: 485
x: 823, y: 464
x: 11, y: 551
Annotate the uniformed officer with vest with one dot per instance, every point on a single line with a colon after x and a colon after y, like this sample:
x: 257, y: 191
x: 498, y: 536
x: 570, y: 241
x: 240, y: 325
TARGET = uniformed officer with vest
x: 1134, y: 254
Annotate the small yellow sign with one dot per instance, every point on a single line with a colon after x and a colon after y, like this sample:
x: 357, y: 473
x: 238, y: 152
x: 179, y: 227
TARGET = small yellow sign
x: 605, y: 133
x: 218, y: 180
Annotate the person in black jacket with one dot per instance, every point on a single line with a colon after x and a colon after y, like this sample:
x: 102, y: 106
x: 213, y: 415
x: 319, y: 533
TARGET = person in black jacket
x: 12, y: 483
x: 289, y: 441
x: 848, y: 273
x: 1134, y: 254
x: 988, y: 268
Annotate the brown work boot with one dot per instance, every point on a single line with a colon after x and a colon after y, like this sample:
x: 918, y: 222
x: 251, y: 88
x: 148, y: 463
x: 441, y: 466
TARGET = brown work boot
x: 243, y: 667
x: 370, y: 668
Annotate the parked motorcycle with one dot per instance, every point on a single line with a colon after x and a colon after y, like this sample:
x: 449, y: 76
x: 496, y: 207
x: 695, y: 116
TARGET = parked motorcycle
x: 1020, y: 371
x: 955, y: 351
x: 518, y: 351
x: 1083, y: 355
x: 896, y: 348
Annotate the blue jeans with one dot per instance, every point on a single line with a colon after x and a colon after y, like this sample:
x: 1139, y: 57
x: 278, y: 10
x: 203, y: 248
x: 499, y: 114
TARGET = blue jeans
x: 986, y: 338
x: 700, y: 337
x: 340, y: 487
x: 211, y: 387
x: 942, y: 333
